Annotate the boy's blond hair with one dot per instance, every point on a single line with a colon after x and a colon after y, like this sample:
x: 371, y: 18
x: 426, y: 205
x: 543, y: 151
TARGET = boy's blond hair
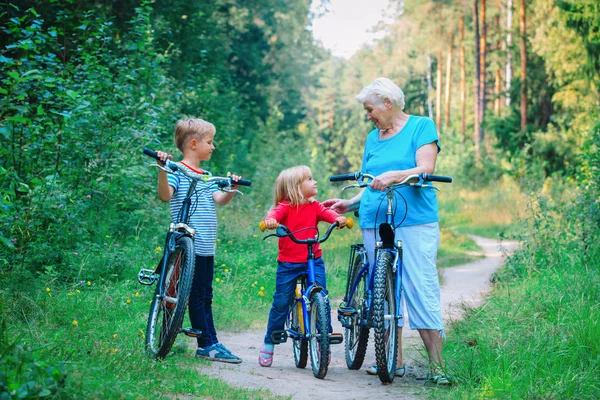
x: 191, y: 128
x: 287, y: 185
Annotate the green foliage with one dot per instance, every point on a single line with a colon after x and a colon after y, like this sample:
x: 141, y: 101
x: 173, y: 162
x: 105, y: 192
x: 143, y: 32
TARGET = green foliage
x: 23, y: 376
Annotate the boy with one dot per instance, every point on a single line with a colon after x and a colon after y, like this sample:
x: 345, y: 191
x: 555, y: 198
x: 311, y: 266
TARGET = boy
x: 194, y: 138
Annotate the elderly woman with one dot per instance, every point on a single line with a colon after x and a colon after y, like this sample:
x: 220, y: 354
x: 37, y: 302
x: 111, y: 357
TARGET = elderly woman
x: 403, y: 145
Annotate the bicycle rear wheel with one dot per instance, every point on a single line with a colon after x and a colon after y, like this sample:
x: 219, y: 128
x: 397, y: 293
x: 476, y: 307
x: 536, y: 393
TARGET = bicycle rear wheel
x: 319, y: 335
x: 356, y: 333
x: 384, y: 322
x: 166, y: 314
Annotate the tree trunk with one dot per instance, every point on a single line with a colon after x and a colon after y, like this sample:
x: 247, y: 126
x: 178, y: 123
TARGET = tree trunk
x: 448, y: 82
x: 497, y: 90
x: 522, y: 12
x: 477, y: 77
x: 438, y: 93
x: 509, y: 14
x: 463, y: 80
x: 482, y: 71
x: 429, y: 87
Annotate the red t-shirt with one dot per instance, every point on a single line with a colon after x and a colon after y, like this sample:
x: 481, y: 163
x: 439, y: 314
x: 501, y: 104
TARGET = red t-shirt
x: 298, y: 217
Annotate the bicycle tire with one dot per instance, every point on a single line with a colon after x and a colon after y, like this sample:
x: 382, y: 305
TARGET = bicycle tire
x: 384, y: 323
x: 357, y: 336
x: 165, y: 318
x: 299, y: 346
x: 319, y: 335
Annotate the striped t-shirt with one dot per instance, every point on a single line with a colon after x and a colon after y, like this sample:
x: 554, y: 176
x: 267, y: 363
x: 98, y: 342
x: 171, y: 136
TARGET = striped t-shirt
x: 203, y: 216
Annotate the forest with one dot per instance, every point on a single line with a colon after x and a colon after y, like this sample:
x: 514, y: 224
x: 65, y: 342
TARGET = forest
x: 512, y: 85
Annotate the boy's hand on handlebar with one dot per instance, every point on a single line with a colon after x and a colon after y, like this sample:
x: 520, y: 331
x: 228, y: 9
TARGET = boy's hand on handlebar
x: 341, y: 222
x: 234, y: 178
x: 271, y: 223
x: 163, y: 157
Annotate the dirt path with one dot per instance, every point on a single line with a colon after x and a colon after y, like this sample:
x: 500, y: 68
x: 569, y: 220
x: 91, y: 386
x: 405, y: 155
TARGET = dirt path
x: 462, y: 284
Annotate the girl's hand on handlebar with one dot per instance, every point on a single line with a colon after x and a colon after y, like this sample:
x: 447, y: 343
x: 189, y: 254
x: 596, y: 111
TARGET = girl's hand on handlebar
x: 271, y: 223
x: 341, y: 222
x: 163, y: 157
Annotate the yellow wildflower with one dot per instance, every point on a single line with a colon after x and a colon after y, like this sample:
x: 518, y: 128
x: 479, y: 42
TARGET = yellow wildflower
x: 128, y: 301
x: 262, y: 288
x: 218, y: 280
x: 261, y: 293
x: 226, y: 270
x: 75, y: 322
x: 115, y: 336
x: 137, y: 294
x: 89, y: 283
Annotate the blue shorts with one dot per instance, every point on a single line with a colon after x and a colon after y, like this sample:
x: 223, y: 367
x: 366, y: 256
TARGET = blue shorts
x: 420, y: 284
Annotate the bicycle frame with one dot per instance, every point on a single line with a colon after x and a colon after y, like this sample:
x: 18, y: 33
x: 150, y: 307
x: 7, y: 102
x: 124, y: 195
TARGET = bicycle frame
x: 395, y: 250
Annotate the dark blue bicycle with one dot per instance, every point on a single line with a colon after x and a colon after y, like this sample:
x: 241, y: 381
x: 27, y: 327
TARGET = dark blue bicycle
x: 373, y: 295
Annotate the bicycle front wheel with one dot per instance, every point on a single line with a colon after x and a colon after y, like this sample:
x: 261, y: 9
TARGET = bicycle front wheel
x: 319, y: 335
x: 357, y: 331
x: 384, y: 322
x: 166, y: 314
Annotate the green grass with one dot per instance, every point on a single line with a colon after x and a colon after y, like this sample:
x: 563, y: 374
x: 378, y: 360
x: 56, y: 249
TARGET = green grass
x: 95, y: 333
x: 492, y: 212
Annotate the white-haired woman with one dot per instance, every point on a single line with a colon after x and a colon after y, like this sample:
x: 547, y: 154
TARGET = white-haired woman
x: 403, y: 145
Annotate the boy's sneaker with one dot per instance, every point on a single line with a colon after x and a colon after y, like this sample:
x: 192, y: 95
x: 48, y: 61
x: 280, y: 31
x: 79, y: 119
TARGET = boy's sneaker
x: 400, y: 372
x: 217, y: 352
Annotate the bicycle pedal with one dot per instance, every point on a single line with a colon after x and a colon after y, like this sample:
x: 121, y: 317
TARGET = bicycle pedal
x: 346, y: 311
x: 335, y: 338
x: 279, y: 337
x: 191, y: 332
x: 147, y: 277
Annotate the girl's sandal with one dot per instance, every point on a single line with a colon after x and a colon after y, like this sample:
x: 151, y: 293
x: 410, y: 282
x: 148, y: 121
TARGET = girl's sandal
x: 265, y: 361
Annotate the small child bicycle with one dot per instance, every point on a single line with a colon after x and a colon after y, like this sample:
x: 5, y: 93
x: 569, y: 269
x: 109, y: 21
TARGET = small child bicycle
x: 176, y: 268
x: 308, y: 321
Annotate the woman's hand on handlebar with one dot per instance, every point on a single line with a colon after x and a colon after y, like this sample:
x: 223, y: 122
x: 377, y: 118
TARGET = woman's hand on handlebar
x: 381, y: 182
x: 163, y: 156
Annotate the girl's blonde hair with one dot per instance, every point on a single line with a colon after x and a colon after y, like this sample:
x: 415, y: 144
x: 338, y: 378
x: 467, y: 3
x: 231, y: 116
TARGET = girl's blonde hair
x: 287, y: 185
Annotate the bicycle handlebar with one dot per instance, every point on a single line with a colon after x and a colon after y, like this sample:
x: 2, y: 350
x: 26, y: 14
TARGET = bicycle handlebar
x: 284, y: 231
x: 221, y: 181
x: 421, y: 178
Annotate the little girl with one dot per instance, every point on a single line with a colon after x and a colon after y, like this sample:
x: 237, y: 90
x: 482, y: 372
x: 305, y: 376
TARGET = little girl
x: 296, y: 209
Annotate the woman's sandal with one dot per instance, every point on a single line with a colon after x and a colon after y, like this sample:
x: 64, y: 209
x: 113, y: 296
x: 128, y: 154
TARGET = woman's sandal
x: 265, y: 361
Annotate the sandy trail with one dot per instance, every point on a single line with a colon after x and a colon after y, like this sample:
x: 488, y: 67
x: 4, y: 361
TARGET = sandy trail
x: 465, y: 284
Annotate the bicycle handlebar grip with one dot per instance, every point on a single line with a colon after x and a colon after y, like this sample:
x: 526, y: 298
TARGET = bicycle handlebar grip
x: 437, y: 178
x: 262, y: 226
x: 344, y: 177
x: 243, y: 182
x: 349, y: 223
x: 151, y: 153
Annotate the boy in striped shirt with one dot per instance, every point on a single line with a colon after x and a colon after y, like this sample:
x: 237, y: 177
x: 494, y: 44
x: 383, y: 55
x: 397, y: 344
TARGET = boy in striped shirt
x: 194, y: 138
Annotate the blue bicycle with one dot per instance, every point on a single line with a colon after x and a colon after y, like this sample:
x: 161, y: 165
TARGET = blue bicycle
x: 309, y: 319
x: 373, y: 295
x: 175, y: 271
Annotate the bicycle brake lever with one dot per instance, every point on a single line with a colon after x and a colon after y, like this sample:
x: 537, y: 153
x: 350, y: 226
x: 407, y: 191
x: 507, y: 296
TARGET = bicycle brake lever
x: 430, y: 186
x: 168, y: 171
x: 232, y: 191
x: 355, y: 185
